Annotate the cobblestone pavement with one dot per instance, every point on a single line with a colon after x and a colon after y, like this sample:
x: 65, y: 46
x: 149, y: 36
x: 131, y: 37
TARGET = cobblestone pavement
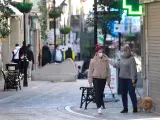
x: 52, y: 101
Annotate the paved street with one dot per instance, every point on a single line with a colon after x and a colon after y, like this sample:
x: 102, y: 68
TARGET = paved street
x: 57, y: 101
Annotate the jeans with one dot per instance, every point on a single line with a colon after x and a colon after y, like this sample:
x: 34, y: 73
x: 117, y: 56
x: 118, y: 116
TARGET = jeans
x: 127, y: 86
x: 29, y: 69
x: 99, y: 85
x: 58, y: 61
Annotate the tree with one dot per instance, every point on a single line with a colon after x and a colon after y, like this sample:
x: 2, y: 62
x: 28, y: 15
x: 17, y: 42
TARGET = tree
x: 43, y: 18
x: 111, y: 10
x: 6, y: 13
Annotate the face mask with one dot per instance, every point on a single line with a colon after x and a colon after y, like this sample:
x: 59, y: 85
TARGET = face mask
x: 100, y: 54
x: 122, y: 54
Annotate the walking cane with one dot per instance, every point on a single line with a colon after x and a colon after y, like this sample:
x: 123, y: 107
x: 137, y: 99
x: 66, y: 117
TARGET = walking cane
x: 111, y: 91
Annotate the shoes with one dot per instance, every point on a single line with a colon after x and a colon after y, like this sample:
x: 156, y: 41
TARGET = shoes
x: 125, y: 110
x: 135, y: 110
x: 99, y: 111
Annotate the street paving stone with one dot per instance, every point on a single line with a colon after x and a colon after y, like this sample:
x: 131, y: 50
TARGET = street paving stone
x: 47, y: 101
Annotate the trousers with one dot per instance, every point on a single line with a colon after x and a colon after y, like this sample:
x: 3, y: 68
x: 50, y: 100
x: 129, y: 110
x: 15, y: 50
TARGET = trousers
x: 99, y: 85
x: 127, y: 86
x: 29, y: 69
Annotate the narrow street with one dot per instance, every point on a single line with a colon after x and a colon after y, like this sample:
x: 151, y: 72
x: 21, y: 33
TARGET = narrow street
x: 57, y: 101
x: 40, y: 101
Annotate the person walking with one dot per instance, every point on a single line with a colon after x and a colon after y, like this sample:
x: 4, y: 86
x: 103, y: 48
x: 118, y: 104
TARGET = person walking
x: 22, y: 53
x: 99, y: 74
x: 128, y: 77
x: 30, y: 58
x: 69, y: 54
x: 46, y: 55
x: 57, y: 55
x: 15, y: 54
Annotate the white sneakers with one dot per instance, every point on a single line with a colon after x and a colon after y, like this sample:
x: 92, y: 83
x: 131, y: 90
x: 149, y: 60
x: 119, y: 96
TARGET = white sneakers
x: 99, y: 111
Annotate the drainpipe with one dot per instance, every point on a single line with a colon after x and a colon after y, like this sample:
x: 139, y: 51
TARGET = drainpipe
x: 146, y: 50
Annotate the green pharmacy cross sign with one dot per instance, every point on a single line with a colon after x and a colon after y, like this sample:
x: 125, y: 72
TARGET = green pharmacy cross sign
x: 133, y: 7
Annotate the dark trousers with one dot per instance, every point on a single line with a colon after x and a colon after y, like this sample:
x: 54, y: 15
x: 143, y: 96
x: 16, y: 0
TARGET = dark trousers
x: 99, y: 85
x: 79, y: 56
x: 15, y: 61
x: 127, y: 86
x: 58, y: 61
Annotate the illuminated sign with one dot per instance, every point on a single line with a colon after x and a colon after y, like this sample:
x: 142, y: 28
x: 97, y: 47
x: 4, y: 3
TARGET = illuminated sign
x: 133, y: 7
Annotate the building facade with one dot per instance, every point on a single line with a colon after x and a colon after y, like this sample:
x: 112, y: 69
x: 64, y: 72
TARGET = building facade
x: 151, y: 51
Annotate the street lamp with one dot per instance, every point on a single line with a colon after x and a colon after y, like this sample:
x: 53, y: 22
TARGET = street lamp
x: 95, y: 22
x: 54, y: 22
x: 64, y: 5
x: 25, y: 82
x: 90, y: 30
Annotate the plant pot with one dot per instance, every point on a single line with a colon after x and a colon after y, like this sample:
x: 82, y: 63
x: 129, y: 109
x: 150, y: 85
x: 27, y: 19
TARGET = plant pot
x: 24, y: 7
x: 55, y: 13
x: 65, y: 30
x: 3, y: 39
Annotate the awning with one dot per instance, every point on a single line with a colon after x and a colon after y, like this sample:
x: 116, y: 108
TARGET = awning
x: 17, y: 12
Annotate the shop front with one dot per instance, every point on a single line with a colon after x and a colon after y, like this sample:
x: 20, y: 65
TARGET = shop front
x: 151, y: 51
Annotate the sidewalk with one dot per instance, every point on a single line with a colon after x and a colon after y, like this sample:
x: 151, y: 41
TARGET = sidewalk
x: 112, y: 112
x: 47, y: 100
x: 11, y: 92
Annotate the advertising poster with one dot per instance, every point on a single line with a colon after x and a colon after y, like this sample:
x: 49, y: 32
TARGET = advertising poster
x: 113, y: 83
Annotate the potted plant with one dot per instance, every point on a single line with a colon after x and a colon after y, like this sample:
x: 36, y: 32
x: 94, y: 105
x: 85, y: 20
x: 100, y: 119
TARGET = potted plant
x: 65, y: 30
x: 24, y: 7
x: 6, y: 12
x: 55, y: 13
x: 4, y: 29
x: 4, y: 33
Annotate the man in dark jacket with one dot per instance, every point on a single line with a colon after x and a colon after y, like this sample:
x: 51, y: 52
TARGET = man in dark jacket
x: 30, y: 58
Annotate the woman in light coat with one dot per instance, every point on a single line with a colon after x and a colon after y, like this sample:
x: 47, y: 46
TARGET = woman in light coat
x: 99, y: 73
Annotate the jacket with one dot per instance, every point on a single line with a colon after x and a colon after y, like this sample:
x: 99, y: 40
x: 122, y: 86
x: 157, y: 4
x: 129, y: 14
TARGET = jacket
x: 127, y: 68
x: 53, y: 56
x: 21, y: 52
x: 69, y: 54
x: 30, y: 55
x: 15, y: 53
x: 46, y: 55
x: 99, y: 68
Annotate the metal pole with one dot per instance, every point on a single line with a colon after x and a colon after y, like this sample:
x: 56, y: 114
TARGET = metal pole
x: 64, y: 34
x: 54, y: 3
x: 25, y: 82
x: 119, y: 34
x: 95, y: 22
x: 54, y: 23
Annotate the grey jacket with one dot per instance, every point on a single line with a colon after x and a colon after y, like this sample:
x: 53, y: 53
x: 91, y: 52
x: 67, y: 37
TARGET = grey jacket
x: 127, y: 66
